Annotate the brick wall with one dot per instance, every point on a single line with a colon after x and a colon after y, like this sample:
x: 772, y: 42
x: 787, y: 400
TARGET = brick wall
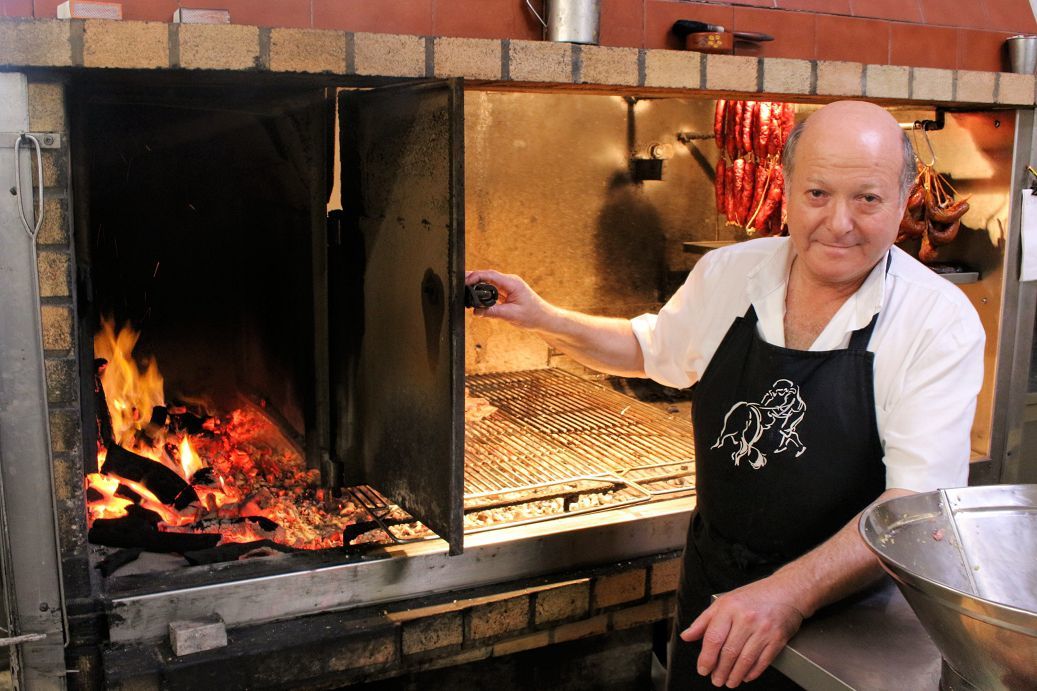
x: 951, y: 34
x: 335, y: 649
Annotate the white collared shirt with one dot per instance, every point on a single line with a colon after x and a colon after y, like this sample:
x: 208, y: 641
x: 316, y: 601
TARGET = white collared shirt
x: 928, y: 344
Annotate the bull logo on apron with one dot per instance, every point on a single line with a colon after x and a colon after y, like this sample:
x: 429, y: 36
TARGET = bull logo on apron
x: 780, y: 411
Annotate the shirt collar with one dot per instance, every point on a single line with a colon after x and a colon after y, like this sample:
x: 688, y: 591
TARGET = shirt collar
x: 772, y: 274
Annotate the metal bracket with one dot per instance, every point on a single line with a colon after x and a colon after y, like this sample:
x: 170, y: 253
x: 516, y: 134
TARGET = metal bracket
x: 47, y: 140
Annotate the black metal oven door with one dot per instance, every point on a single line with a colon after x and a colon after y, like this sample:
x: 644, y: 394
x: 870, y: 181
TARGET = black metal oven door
x: 397, y: 314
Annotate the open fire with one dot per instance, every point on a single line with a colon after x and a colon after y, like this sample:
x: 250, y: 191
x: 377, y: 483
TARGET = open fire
x: 169, y: 470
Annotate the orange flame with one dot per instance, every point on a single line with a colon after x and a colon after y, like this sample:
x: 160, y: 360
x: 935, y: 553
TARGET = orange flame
x: 131, y: 392
x: 249, y: 477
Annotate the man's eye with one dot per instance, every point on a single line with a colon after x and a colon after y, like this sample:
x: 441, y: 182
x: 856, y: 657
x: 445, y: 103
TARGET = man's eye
x: 816, y: 194
x: 870, y: 198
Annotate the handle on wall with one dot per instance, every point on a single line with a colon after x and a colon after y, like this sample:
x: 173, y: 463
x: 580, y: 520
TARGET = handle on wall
x: 32, y: 230
x: 535, y: 13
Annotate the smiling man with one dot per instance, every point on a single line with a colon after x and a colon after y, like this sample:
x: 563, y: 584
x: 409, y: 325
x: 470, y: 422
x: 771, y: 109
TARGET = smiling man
x: 830, y: 369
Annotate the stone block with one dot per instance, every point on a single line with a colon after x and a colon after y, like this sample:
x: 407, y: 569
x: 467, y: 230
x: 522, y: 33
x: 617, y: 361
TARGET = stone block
x: 786, y: 76
x: 839, y: 78
x: 615, y: 589
x: 57, y: 327
x: 540, y: 61
x: 472, y: 58
x: 887, y: 81
x: 605, y: 65
x: 652, y: 611
x: 53, y: 170
x: 46, y: 107
x: 125, y: 45
x: 35, y: 42
x: 464, y: 657
x: 517, y: 645
x: 562, y: 603
x: 665, y: 575
x: 308, y: 50
x: 975, y: 87
x: 54, y: 230
x: 595, y: 626
x: 673, y: 69
x: 389, y: 55
x: 64, y: 430
x: 219, y: 47
x: 367, y: 652
x: 196, y: 635
x: 1015, y: 89
x: 930, y: 84
x: 55, y: 277
x: 62, y: 381
x: 498, y: 618
x: 731, y: 72
x: 432, y: 633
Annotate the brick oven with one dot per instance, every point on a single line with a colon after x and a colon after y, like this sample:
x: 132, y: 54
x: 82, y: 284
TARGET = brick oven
x: 284, y: 215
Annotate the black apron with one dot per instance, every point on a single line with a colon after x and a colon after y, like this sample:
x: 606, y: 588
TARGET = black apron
x: 787, y: 451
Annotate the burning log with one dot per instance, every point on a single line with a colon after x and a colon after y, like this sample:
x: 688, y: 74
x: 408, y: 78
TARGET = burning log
x: 235, y: 551
x: 136, y: 531
x: 165, y: 484
x: 126, y: 492
x: 105, y: 431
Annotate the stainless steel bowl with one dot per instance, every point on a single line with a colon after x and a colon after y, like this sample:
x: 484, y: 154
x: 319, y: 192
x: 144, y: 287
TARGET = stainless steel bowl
x: 966, y: 561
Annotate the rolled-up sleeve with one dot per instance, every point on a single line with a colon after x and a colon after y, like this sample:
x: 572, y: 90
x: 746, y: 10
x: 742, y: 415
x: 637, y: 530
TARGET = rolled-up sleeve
x: 927, y: 431
x: 672, y: 354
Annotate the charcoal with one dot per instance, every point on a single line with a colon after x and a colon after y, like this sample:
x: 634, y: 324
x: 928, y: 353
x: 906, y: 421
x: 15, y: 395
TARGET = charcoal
x: 181, y: 420
x: 127, y: 493
x: 93, y: 495
x: 232, y: 552
x: 263, y: 522
x: 115, y: 560
x: 166, y: 485
x: 146, y: 515
x: 204, y: 477
x: 136, y: 532
x: 159, y: 415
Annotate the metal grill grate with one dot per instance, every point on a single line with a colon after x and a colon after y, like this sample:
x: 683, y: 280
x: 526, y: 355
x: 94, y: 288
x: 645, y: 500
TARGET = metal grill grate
x: 551, y: 426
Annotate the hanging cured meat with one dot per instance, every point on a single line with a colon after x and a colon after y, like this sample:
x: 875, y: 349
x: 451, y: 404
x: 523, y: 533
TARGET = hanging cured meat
x: 749, y: 183
x: 933, y: 215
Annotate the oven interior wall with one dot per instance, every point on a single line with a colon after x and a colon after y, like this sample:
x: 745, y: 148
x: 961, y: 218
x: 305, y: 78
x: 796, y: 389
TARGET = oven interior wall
x: 199, y: 209
x: 550, y: 196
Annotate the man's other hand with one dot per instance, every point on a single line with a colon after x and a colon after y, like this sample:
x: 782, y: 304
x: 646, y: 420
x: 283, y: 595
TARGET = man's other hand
x: 742, y: 632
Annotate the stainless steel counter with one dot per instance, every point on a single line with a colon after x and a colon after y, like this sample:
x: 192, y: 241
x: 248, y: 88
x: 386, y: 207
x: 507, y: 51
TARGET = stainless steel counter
x: 872, y: 642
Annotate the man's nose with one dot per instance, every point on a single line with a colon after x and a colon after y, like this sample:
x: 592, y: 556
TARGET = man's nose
x: 841, y: 218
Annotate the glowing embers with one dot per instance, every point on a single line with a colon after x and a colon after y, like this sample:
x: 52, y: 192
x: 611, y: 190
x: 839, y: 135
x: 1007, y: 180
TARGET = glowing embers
x: 174, y: 479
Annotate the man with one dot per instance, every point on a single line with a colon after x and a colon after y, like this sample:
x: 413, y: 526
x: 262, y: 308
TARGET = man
x: 840, y: 369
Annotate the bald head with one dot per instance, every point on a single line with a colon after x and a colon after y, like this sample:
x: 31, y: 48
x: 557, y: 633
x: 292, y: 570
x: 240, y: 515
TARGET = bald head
x: 858, y: 124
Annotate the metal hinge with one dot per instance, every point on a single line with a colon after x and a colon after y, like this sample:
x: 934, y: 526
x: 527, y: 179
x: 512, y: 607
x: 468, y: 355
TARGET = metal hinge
x: 47, y: 140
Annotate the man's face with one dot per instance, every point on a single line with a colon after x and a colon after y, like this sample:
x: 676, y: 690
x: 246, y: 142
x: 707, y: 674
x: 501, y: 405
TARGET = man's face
x: 844, y: 205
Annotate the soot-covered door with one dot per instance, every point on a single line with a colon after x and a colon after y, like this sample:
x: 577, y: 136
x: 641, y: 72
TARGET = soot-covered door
x: 399, y: 400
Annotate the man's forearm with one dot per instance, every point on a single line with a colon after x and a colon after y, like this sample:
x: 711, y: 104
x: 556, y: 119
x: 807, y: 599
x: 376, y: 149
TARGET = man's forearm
x: 606, y: 344
x: 838, y: 567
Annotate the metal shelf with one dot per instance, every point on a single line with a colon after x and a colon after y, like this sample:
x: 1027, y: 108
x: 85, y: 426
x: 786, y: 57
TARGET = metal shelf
x: 703, y: 246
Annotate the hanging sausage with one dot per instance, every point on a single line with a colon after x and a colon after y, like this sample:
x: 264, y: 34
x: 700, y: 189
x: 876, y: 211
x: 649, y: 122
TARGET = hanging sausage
x: 749, y: 183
